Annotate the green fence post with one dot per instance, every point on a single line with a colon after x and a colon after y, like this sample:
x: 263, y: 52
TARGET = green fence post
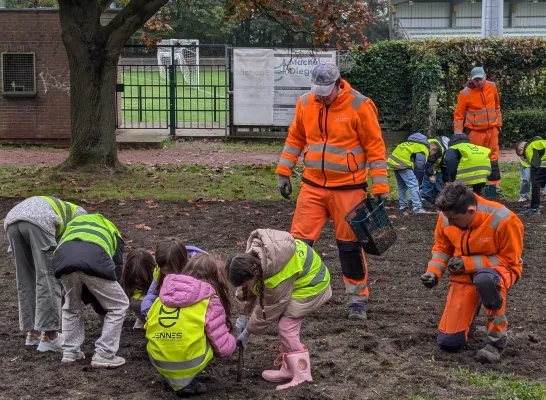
x: 172, y: 95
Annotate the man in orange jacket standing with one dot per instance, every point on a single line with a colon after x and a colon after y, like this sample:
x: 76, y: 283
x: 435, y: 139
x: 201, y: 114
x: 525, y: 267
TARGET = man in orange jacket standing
x: 337, y: 129
x: 480, y: 243
x: 478, y: 110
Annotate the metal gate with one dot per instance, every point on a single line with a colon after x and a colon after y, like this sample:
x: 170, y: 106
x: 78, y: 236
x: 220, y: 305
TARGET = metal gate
x: 182, y: 88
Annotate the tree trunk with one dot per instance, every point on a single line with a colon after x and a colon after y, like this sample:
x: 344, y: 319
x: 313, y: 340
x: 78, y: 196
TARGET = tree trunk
x: 93, y: 52
x: 93, y: 77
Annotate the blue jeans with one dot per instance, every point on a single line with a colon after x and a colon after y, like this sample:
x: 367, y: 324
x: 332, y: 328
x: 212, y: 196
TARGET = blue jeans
x: 525, y: 181
x: 406, y: 180
x: 430, y: 191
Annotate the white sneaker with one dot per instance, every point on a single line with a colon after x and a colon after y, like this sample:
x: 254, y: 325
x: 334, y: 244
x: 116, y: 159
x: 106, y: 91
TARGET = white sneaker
x: 103, y: 362
x: 138, y: 324
x: 51, y: 345
x: 522, y: 199
x: 32, y: 340
x: 69, y: 357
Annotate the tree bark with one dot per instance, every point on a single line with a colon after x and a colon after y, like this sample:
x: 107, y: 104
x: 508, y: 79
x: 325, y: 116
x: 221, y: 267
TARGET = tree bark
x: 93, y: 109
x: 93, y: 52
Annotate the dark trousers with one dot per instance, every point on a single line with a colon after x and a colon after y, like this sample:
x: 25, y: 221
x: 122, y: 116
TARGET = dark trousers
x: 538, y: 179
x: 478, y: 188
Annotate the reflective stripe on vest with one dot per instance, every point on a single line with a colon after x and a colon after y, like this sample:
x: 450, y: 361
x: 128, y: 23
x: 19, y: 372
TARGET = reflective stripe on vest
x: 346, y: 157
x: 474, y: 165
x: 401, y: 156
x: 63, y: 209
x: 177, y: 344
x: 313, y: 276
x: 93, y: 228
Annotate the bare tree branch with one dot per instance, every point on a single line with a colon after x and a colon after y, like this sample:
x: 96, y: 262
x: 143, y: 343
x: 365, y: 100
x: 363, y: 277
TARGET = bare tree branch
x: 132, y: 17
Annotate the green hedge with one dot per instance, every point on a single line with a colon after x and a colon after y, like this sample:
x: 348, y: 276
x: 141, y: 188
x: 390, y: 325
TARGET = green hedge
x: 521, y: 125
x: 400, y: 75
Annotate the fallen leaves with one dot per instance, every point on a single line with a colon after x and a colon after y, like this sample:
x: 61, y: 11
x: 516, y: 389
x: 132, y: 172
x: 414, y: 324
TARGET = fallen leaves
x: 143, y: 227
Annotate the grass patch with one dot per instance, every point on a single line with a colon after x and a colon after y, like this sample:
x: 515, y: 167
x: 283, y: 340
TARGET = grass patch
x: 173, y: 182
x: 163, y: 182
x: 504, y: 387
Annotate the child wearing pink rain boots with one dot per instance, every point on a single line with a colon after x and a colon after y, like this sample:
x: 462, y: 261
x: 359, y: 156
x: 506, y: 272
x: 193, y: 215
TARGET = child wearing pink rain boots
x: 289, y: 281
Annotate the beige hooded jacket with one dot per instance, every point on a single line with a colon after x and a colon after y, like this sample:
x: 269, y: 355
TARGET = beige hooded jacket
x: 275, y: 249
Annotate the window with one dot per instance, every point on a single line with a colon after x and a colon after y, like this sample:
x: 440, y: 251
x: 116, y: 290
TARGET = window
x: 18, y: 74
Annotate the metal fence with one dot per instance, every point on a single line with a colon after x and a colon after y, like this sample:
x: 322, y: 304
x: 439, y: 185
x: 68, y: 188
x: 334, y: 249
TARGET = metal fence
x: 174, y: 87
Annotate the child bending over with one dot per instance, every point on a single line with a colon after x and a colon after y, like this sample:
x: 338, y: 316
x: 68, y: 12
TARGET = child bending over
x: 139, y: 271
x: 290, y: 281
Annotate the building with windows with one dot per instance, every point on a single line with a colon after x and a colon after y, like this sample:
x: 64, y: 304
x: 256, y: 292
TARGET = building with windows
x: 417, y: 19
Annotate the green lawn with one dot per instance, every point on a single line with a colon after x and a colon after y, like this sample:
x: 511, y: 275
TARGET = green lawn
x: 146, y: 97
x: 176, y: 182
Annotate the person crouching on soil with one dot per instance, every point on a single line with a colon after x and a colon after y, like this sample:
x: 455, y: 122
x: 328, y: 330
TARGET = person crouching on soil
x: 87, y: 255
x: 188, y: 324
x: 480, y: 242
x: 290, y: 281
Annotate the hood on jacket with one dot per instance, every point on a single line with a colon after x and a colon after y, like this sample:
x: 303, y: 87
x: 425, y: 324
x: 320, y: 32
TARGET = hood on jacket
x: 180, y: 290
x: 274, y: 248
x: 419, y: 138
x: 459, y: 138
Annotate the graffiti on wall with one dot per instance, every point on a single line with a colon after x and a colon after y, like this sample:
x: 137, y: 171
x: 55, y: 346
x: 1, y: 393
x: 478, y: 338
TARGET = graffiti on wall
x: 50, y: 81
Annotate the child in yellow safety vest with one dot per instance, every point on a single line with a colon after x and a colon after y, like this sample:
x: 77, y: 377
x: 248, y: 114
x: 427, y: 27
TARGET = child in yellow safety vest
x: 289, y: 281
x: 408, y: 160
x: 525, y: 180
x: 467, y: 163
x: 139, y: 271
x: 534, y: 153
x: 188, y: 323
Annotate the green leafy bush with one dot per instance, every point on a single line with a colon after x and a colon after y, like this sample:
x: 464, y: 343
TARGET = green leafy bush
x: 400, y: 75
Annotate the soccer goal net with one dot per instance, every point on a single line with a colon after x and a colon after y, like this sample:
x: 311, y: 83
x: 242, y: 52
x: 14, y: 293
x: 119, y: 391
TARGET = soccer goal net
x: 185, y: 58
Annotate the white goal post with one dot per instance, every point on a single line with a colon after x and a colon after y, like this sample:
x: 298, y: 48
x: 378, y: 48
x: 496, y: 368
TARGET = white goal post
x: 186, y: 58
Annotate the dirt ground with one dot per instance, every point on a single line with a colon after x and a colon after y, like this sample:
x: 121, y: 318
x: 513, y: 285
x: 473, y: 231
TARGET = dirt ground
x: 392, y: 357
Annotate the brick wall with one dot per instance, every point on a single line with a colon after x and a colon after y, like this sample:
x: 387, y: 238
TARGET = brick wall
x: 45, y: 117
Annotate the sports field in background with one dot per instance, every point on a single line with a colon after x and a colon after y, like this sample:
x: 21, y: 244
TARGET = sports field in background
x: 146, y: 95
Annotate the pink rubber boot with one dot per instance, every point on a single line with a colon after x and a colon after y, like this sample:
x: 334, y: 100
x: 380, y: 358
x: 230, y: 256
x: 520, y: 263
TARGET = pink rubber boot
x: 299, y: 365
x: 281, y: 375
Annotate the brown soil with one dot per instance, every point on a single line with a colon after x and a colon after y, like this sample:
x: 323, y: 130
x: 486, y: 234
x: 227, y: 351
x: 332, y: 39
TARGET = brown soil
x: 393, y: 357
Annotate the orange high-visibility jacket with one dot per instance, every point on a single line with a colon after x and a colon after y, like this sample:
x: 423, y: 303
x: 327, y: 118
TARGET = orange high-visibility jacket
x: 493, y: 239
x: 478, y: 109
x: 337, y: 142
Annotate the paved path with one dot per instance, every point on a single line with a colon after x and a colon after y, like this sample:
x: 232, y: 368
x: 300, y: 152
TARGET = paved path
x: 189, y: 153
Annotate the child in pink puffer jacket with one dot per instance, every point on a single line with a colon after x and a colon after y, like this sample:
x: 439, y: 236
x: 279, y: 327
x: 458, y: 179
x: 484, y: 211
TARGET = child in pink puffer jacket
x: 187, y: 324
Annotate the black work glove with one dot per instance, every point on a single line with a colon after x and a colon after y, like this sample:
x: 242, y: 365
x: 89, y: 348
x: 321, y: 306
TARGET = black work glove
x: 429, y: 280
x: 455, y: 265
x: 285, y: 187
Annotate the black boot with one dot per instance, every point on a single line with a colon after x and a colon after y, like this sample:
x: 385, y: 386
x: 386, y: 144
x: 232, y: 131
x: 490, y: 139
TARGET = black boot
x: 193, y: 389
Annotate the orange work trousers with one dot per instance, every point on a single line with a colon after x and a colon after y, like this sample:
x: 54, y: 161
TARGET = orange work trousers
x: 489, y: 286
x: 314, y: 207
x: 489, y: 138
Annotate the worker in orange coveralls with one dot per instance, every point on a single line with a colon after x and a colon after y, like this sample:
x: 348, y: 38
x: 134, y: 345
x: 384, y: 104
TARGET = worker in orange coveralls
x: 480, y: 243
x: 478, y: 110
x: 337, y: 129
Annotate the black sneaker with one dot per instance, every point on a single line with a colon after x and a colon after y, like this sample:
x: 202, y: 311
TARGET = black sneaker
x: 195, y: 388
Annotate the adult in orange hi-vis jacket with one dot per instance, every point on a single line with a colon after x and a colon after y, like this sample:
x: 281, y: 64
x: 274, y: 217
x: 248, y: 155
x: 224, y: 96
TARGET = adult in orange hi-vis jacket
x: 478, y: 110
x: 337, y: 129
x: 480, y: 243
